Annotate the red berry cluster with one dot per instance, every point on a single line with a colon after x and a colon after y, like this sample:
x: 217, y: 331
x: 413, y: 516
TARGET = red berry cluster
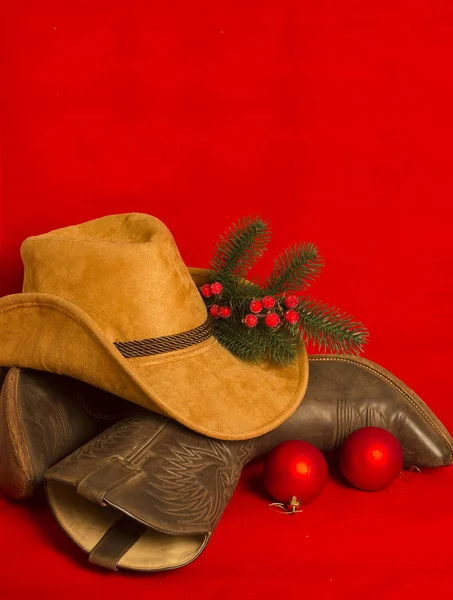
x: 271, y: 309
x: 271, y: 318
x: 211, y: 289
x: 215, y: 310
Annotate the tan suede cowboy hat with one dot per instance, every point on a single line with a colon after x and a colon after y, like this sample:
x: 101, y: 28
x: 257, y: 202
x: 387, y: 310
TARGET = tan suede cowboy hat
x: 110, y: 302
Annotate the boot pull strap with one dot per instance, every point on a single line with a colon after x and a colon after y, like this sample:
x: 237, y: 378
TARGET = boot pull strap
x: 116, y: 542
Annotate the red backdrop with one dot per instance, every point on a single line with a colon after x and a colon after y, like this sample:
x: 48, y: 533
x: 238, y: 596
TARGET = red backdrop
x: 331, y: 119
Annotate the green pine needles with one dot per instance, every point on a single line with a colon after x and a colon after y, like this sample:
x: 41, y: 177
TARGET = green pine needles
x: 271, y: 320
x: 294, y: 269
x: 240, y: 247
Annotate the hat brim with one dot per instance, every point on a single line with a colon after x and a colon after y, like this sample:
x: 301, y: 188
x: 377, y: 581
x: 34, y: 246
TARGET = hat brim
x: 204, y: 387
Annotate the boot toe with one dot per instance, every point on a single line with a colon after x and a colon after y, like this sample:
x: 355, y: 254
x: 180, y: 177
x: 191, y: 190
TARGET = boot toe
x: 365, y: 394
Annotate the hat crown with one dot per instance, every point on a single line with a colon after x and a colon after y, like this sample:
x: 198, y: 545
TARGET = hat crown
x: 124, y: 271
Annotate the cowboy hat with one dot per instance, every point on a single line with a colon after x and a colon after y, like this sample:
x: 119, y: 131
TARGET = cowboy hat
x: 111, y: 303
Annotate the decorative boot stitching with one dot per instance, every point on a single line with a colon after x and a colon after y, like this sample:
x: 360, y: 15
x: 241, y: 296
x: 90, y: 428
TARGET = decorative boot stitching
x: 19, y: 452
x: 416, y: 405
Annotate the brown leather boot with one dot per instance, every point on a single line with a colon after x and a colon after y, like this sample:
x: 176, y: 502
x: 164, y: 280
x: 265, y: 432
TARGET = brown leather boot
x: 44, y: 417
x: 346, y: 393
x: 147, y: 493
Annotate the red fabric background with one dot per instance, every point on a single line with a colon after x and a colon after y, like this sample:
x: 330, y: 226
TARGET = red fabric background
x: 332, y: 119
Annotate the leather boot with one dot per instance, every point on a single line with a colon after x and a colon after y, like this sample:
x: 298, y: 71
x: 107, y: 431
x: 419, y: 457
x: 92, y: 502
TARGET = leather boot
x: 147, y: 493
x: 44, y: 417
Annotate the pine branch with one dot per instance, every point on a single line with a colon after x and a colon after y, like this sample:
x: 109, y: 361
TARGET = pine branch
x: 245, y: 344
x: 331, y: 329
x: 241, y: 292
x: 237, y: 251
x: 240, y: 247
x: 283, y: 345
x: 294, y: 269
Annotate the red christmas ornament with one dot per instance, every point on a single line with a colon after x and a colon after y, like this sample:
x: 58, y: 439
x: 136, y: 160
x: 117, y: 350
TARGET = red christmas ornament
x: 225, y: 312
x: 272, y: 319
x: 268, y: 302
x: 295, y: 469
x: 291, y: 301
x: 216, y: 288
x: 291, y: 317
x: 214, y: 310
x: 250, y: 321
x: 256, y: 306
x: 206, y: 290
x: 371, y: 458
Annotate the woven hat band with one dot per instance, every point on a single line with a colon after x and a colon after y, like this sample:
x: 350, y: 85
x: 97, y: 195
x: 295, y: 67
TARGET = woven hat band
x: 167, y: 343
